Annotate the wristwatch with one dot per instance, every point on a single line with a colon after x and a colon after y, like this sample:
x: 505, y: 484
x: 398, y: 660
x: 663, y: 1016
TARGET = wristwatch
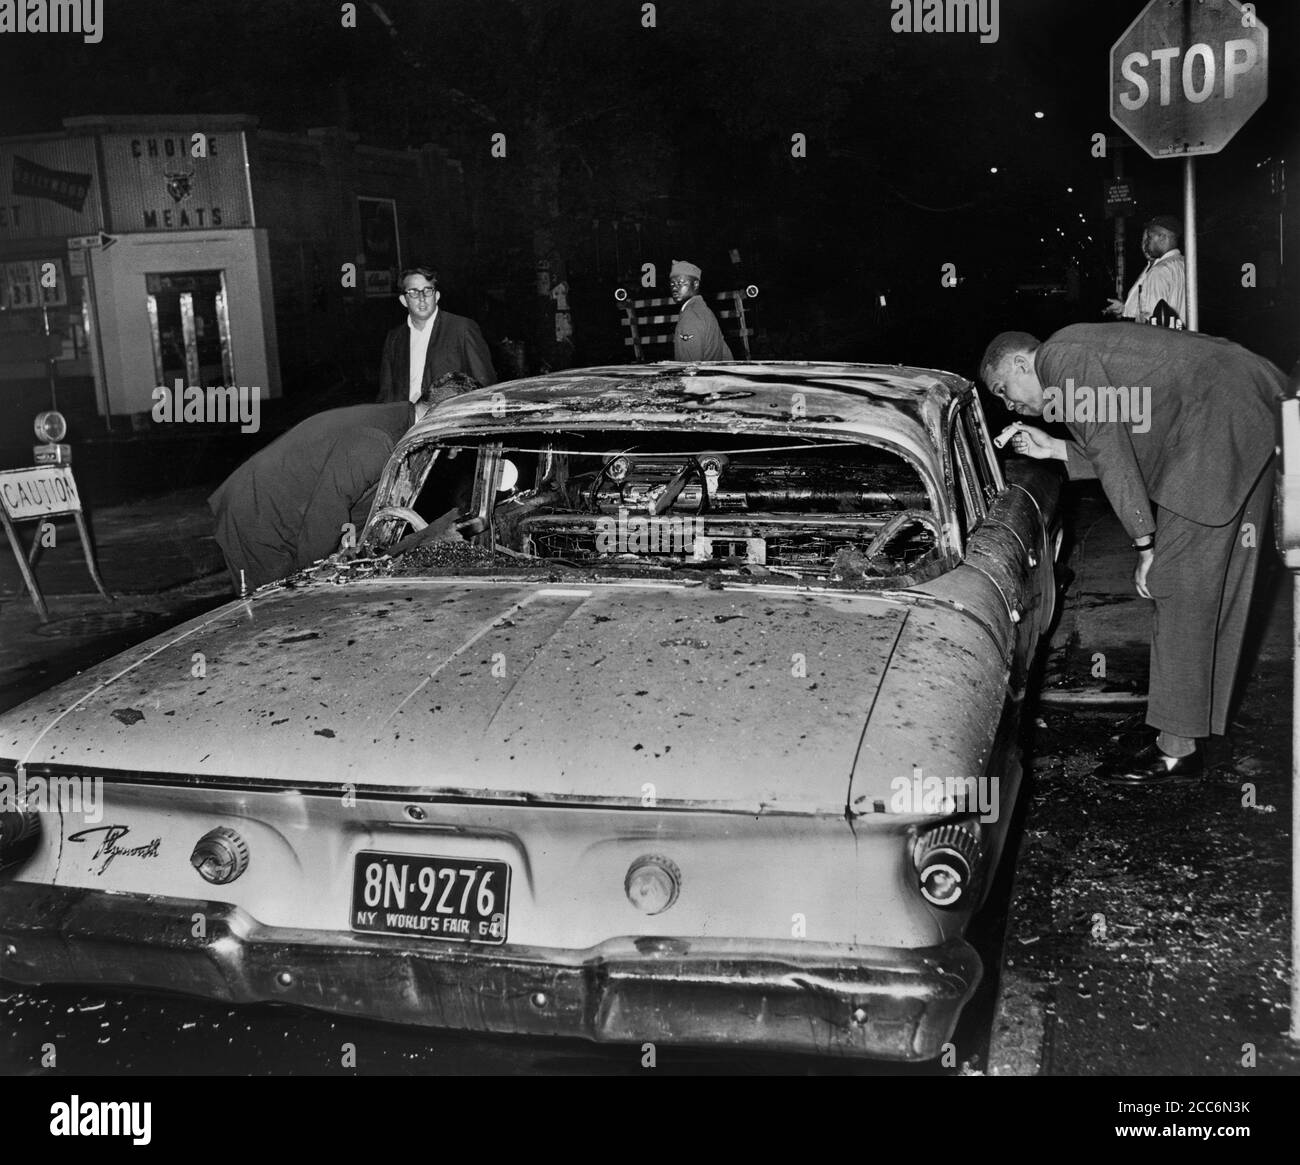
x: 1146, y: 542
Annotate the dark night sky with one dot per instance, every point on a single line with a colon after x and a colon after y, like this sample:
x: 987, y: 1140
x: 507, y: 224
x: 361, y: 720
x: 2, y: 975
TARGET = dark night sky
x: 686, y: 127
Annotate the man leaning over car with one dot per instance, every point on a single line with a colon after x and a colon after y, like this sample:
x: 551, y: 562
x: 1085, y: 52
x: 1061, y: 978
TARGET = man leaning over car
x: 1188, y: 481
x: 288, y: 504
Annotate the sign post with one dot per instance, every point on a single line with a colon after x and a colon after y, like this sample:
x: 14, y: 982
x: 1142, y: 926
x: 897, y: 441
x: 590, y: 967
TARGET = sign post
x: 1190, y: 245
x: 1184, y: 78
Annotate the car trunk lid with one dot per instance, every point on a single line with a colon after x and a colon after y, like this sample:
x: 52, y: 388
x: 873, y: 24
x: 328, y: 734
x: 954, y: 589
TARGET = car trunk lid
x: 628, y: 693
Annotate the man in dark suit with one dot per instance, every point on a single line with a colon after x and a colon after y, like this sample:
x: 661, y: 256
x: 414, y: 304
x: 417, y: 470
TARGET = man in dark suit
x: 430, y: 343
x: 288, y: 505
x: 1180, y: 429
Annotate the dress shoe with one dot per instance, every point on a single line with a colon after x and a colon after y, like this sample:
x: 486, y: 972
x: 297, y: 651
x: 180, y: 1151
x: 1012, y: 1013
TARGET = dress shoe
x: 1151, y: 767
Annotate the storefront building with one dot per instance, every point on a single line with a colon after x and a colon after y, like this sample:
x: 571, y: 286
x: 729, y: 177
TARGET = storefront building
x: 131, y: 259
x: 145, y: 251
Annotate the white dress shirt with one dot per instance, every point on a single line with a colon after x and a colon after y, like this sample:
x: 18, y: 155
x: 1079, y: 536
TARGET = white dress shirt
x: 1164, y: 278
x: 418, y: 350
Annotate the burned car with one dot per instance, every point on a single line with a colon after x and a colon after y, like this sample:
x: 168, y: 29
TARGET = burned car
x: 662, y: 703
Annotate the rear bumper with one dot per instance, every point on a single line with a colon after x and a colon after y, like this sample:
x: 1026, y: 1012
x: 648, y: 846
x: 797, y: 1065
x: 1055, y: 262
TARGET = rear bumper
x: 782, y: 996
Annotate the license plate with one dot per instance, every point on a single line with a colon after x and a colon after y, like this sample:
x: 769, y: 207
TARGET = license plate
x: 455, y: 899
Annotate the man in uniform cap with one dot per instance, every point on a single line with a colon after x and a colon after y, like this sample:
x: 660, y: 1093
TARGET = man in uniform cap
x: 1165, y: 276
x: 698, y: 335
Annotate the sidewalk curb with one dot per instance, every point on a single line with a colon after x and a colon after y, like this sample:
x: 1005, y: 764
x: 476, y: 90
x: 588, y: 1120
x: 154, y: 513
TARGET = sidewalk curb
x: 1016, y: 1040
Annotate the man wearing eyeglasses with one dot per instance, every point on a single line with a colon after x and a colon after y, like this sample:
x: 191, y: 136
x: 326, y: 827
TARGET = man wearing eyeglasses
x: 698, y: 336
x: 429, y: 344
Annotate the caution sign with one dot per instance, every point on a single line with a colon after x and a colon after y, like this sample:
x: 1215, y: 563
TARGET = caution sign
x: 42, y: 492
x: 39, y: 493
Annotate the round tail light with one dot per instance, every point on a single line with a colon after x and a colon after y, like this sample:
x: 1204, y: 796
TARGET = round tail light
x: 652, y: 884
x: 947, y: 859
x: 220, y: 856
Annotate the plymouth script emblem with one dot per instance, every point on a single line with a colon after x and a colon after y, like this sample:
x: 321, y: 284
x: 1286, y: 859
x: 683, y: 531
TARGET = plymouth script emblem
x: 178, y: 183
x: 109, y: 849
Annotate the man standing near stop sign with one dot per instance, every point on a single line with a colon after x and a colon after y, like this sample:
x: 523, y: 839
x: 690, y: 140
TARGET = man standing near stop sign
x: 1190, y: 486
x: 1165, y: 277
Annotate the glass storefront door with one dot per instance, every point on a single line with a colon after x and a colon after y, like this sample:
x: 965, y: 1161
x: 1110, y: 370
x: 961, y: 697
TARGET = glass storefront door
x: 191, y: 328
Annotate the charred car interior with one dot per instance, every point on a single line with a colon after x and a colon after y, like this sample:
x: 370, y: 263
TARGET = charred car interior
x: 820, y: 509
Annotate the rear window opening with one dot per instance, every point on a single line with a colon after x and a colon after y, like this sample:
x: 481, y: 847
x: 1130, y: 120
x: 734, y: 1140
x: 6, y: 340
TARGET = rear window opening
x: 670, y: 501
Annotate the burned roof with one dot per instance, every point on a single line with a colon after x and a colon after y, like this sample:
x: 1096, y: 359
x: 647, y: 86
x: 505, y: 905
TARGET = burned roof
x: 903, y: 405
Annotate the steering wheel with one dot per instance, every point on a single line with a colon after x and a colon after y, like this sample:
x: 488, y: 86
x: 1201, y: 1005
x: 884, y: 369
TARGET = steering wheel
x: 895, y: 526
x: 401, y: 514
x: 677, y: 483
x: 593, y: 506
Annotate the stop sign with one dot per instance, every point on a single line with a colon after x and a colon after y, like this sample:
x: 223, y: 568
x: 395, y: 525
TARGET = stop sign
x: 1187, y: 74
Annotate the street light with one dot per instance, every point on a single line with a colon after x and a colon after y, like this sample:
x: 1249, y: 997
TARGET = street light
x: 50, y: 429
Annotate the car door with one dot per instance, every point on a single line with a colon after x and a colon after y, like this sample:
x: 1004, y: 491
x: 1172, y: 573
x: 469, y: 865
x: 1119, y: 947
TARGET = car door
x: 1007, y: 538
